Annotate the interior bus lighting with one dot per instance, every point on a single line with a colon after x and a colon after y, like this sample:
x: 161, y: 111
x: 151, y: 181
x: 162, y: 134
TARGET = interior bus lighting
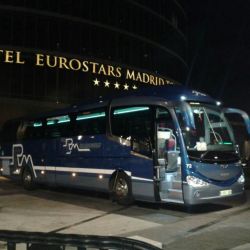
x: 51, y: 122
x: 91, y: 116
x: 130, y: 110
x: 198, y: 111
x: 194, y: 103
x: 64, y: 120
x: 226, y: 143
x: 73, y: 174
x: 37, y: 124
x: 42, y: 172
x: 100, y: 176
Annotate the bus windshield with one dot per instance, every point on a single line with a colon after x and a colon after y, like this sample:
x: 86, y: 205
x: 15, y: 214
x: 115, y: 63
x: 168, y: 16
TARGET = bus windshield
x: 212, y: 137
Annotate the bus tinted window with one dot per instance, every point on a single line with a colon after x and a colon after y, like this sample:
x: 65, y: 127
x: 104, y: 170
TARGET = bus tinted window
x: 31, y: 130
x: 134, y: 124
x: 167, y: 139
x: 9, y: 131
x: 59, y: 126
x: 91, y: 123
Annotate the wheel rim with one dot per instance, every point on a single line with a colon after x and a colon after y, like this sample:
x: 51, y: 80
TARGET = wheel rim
x: 121, y: 188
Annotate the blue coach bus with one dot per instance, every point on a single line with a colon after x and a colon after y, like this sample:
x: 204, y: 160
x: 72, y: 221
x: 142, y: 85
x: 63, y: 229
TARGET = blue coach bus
x: 164, y: 144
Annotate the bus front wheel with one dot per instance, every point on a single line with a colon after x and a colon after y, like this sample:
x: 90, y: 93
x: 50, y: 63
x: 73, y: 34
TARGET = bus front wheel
x: 28, y: 179
x: 121, y: 189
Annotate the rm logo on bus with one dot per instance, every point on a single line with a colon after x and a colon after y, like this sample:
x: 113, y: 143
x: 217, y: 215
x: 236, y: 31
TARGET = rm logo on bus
x: 19, y: 159
x: 70, y: 145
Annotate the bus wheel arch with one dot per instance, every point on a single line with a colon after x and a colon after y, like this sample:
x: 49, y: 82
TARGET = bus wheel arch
x: 120, y: 187
x: 28, y: 178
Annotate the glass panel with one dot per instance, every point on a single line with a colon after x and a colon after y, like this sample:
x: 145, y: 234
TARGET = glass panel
x: 9, y: 131
x: 31, y: 130
x: 88, y: 116
x: 129, y: 110
x: 134, y: 127
x: 91, y: 123
x: 167, y: 141
x: 212, y: 134
x: 58, y: 126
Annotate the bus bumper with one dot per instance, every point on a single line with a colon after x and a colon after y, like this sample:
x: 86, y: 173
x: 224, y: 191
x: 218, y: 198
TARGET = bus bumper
x: 211, y: 193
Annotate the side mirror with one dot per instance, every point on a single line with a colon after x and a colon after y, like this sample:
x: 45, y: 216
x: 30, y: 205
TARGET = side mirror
x: 246, y: 151
x: 242, y: 113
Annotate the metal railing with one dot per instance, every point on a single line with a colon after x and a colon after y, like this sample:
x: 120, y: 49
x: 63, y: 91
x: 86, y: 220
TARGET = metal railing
x: 18, y: 240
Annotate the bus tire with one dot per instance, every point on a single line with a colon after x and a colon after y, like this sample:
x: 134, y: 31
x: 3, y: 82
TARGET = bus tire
x: 121, y: 189
x: 28, y: 179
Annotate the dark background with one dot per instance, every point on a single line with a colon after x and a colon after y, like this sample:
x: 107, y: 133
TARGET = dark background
x: 219, y: 50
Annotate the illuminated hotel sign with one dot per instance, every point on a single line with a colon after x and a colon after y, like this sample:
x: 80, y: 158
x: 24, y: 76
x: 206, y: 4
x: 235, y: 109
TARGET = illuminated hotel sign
x: 121, y: 76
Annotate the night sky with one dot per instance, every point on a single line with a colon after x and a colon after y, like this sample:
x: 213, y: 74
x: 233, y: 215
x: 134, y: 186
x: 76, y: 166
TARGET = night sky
x: 219, y: 50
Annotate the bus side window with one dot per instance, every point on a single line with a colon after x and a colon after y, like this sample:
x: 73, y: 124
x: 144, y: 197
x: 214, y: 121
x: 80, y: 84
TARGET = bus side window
x: 31, y: 130
x: 134, y: 125
x: 9, y: 131
x: 91, y: 123
x: 59, y: 126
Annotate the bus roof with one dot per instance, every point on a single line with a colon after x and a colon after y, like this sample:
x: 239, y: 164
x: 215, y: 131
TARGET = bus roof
x: 168, y: 93
x: 172, y: 93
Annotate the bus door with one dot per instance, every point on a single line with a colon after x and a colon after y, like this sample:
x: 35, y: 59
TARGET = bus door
x: 168, y: 157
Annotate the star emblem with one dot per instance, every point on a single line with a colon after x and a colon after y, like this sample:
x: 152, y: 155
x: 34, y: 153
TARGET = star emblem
x: 96, y: 82
x: 126, y: 86
x: 106, y: 83
x: 134, y: 87
x: 117, y: 85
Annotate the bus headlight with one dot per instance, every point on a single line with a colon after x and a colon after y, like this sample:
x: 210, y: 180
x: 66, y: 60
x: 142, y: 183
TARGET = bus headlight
x: 241, y: 179
x: 196, y: 182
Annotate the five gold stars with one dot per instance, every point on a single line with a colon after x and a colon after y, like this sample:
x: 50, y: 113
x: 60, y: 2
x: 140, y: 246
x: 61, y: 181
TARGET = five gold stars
x: 116, y: 85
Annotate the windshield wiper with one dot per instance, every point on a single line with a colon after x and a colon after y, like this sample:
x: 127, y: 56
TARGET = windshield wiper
x: 215, y: 136
x: 204, y: 154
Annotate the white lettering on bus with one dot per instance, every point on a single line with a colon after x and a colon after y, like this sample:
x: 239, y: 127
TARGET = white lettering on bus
x: 19, y: 159
x: 70, y: 145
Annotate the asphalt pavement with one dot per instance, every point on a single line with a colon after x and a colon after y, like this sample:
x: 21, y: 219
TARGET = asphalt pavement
x: 70, y: 211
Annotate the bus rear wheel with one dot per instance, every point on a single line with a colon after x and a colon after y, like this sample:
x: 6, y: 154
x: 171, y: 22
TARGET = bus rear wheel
x: 28, y: 179
x: 121, y: 189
